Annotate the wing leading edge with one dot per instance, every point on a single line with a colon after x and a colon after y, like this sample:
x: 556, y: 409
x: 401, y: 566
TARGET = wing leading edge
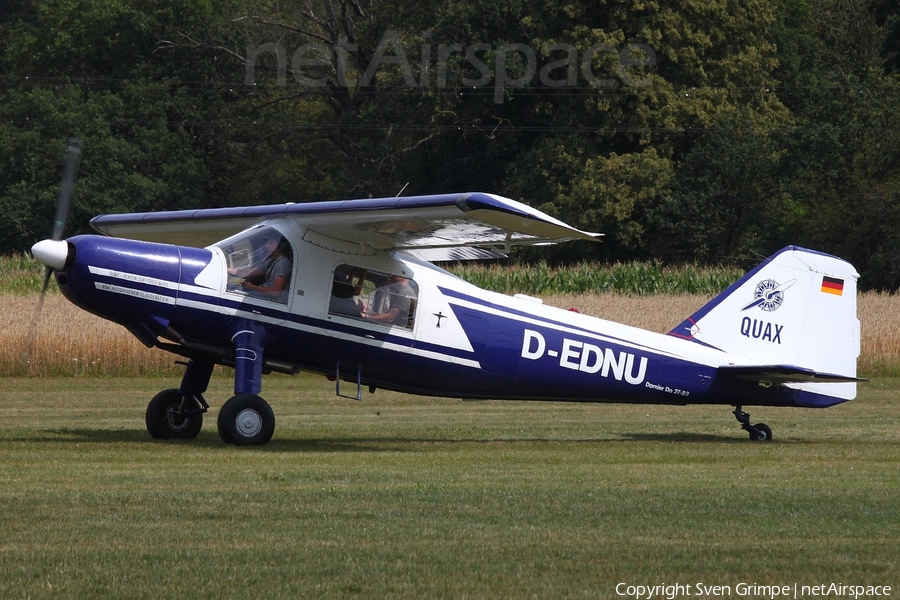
x: 420, y: 225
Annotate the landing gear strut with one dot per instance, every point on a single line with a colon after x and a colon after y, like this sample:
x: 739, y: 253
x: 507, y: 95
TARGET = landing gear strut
x: 759, y: 432
x: 246, y: 419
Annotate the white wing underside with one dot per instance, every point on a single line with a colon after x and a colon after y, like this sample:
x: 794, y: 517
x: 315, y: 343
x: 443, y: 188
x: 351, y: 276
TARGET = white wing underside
x: 434, y: 228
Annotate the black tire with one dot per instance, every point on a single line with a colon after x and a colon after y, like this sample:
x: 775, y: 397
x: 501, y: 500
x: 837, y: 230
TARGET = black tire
x: 762, y: 433
x: 164, y: 422
x: 246, y: 420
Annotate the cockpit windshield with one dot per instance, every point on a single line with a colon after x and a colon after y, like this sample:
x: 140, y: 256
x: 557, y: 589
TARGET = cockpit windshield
x: 260, y: 263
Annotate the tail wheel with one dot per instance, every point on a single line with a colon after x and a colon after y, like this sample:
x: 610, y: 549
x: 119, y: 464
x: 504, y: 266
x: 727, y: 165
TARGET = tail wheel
x: 759, y: 432
x: 762, y: 433
x: 165, y: 420
x: 246, y: 420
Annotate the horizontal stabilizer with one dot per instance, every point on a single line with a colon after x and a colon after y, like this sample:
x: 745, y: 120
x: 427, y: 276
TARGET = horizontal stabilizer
x: 779, y: 374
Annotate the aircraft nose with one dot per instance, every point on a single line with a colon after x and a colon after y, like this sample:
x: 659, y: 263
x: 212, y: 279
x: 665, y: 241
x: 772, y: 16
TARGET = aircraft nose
x: 51, y: 253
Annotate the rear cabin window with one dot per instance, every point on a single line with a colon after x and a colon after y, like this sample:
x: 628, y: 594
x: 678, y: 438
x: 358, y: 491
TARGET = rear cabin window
x: 373, y: 296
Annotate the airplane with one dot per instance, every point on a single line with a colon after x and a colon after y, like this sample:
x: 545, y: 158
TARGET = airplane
x: 357, y: 297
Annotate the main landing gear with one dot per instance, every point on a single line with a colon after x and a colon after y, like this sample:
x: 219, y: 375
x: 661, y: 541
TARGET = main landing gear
x: 244, y: 420
x: 759, y: 432
x: 177, y: 414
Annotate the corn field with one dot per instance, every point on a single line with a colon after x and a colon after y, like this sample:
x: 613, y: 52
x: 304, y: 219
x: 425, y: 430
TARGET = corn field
x: 639, y: 279
x: 21, y: 274
x: 67, y: 341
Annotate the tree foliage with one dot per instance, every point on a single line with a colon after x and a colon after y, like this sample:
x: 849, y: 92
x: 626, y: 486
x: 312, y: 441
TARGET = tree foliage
x: 685, y: 131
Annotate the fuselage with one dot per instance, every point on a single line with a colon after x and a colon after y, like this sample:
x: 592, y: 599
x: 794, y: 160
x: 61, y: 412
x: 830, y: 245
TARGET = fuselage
x: 457, y: 340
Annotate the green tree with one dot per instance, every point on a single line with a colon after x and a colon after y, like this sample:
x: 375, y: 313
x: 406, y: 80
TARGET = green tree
x: 630, y: 168
x: 685, y: 131
x: 91, y: 68
x: 842, y: 165
x: 726, y: 201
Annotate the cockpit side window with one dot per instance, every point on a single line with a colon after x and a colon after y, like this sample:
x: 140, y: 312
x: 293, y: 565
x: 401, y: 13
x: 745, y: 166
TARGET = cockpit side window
x: 374, y: 296
x: 260, y: 262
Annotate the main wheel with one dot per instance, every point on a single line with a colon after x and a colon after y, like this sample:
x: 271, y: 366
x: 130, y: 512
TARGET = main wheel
x: 165, y: 422
x: 246, y: 420
x: 763, y: 433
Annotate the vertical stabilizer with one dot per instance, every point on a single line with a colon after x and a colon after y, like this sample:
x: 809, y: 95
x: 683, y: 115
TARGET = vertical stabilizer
x: 796, y: 308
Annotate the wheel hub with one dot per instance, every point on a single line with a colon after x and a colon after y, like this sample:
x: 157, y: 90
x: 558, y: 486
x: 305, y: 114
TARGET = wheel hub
x: 174, y: 420
x: 248, y: 422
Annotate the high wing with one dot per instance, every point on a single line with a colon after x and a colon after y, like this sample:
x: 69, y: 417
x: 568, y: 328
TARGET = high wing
x: 780, y: 374
x: 435, y: 227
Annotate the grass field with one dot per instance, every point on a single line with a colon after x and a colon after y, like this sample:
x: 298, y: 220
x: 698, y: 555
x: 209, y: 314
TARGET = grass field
x: 401, y: 497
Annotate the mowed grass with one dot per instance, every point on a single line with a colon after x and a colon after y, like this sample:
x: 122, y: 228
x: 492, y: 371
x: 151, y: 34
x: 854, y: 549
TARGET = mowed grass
x: 403, y: 497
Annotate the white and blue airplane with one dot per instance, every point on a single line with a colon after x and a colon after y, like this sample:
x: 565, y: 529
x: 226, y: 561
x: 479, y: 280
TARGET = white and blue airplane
x: 348, y: 289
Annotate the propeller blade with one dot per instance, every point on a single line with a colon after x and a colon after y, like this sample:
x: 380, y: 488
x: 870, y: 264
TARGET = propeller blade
x: 53, y: 253
x: 31, y: 341
x: 48, y: 272
x: 73, y: 155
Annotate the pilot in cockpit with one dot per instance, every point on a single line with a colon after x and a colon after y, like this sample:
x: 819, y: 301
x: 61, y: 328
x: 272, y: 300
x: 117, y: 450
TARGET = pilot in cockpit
x: 271, y: 277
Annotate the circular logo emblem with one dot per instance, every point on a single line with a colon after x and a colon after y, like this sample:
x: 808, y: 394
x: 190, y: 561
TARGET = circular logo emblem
x: 768, y: 295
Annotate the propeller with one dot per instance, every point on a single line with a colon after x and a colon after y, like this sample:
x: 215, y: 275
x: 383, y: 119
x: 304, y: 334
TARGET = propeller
x: 53, y: 255
x: 53, y: 252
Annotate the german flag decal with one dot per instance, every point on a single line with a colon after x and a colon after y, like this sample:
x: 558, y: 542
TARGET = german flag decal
x: 830, y: 285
